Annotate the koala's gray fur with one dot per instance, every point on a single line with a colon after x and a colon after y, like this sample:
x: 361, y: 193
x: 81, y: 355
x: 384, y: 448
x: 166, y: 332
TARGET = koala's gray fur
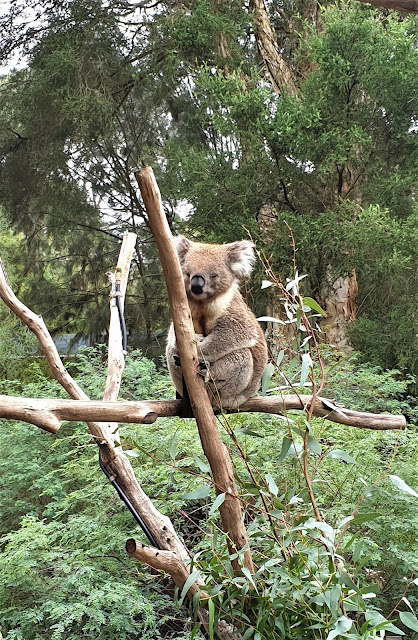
x: 230, y: 341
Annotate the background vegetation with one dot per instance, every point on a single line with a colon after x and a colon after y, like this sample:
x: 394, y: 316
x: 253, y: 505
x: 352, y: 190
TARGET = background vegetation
x: 92, y: 89
x: 329, y: 146
x: 63, y: 573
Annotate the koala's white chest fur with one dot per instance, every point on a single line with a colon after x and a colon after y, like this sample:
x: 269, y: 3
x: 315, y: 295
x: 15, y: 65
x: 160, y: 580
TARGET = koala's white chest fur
x: 205, y: 313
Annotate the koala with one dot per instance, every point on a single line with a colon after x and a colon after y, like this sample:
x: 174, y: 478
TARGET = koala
x: 230, y: 342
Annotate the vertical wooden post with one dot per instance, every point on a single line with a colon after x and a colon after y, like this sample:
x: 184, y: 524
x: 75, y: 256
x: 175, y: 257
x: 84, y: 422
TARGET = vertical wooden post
x: 213, y: 447
x: 116, y: 355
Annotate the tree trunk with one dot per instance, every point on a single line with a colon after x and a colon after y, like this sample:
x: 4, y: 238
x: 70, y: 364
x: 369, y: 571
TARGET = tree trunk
x: 280, y: 75
x: 339, y: 299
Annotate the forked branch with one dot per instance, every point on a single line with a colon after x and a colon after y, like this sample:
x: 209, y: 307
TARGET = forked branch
x: 112, y: 455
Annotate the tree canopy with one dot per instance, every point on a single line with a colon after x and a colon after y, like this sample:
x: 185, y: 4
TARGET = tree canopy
x: 319, y: 130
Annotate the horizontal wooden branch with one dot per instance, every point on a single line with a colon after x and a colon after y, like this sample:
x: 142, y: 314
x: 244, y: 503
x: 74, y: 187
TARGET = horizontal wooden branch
x: 280, y: 405
x: 348, y: 417
x: 46, y: 413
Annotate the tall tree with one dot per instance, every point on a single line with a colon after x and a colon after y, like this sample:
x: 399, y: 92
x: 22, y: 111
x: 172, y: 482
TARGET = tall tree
x: 249, y: 113
x: 313, y: 149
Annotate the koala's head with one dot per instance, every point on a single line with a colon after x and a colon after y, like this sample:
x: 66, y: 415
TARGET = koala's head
x: 212, y: 269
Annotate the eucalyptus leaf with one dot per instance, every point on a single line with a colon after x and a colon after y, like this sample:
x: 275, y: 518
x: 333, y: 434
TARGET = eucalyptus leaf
x: 173, y: 449
x: 279, y: 358
x: 248, y: 575
x: 270, y: 319
x: 198, y: 494
x: 401, y: 484
x: 203, y: 466
x: 409, y: 620
x: 246, y: 431
x: 312, y: 304
x: 271, y: 484
x: 211, y: 607
x: 286, y: 443
x: 265, y: 380
x: 314, y: 446
x: 217, y: 503
x: 131, y: 453
x: 189, y: 582
x: 332, y: 406
x: 306, y: 366
x: 338, y: 454
x: 360, y: 518
x: 249, y: 632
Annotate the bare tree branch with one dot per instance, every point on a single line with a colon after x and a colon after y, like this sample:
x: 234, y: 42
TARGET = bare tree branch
x: 112, y: 456
x: 46, y: 412
x: 407, y: 6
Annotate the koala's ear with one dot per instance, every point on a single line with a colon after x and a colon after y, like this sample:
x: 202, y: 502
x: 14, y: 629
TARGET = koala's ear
x: 182, y: 245
x: 241, y: 258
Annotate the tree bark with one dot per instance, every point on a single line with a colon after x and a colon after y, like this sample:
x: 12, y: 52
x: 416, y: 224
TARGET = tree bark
x: 213, y: 447
x: 281, y: 77
x: 163, y: 561
x: 115, y: 353
x: 340, y: 303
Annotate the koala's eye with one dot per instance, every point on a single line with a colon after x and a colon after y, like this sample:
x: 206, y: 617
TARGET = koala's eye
x: 213, y: 275
x: 188, y: 275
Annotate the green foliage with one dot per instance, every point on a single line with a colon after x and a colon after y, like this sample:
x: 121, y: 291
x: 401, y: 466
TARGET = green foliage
x: 17, y: 344
x: 70, y: 592
x: 302, y: 591
x: 181, y: 86
x: 63, y: 572
x: 385, y: 250
x: 63, y: 528
x: 197, y: 34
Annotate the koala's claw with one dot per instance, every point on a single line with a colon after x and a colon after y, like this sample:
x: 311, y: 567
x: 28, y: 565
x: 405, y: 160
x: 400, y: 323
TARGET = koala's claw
x: 203, y: 370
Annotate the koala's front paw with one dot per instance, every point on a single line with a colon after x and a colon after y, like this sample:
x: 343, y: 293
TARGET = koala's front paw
x: 204, y: 370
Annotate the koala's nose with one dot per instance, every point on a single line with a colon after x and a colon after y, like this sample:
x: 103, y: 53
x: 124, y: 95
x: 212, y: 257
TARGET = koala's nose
x: 196, y: 285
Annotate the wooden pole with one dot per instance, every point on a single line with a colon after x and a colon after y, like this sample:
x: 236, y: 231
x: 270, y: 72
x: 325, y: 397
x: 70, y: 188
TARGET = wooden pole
x: 115, y: 353
x: 213, y: 447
